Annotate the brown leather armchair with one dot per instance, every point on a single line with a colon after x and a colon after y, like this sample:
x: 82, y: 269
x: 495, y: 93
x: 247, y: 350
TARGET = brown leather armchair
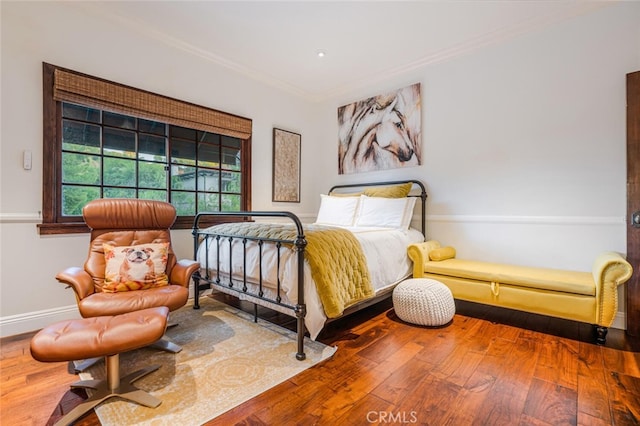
x: 127, y: 222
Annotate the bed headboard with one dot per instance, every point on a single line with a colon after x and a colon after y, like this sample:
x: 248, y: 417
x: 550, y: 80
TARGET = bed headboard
x: 354, y: 187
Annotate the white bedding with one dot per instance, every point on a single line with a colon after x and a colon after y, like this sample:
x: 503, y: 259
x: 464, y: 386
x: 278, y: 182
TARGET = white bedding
x: 384, y: 249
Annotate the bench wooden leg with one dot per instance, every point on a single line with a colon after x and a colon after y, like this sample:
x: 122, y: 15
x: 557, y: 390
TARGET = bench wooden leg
x: 601, y: 334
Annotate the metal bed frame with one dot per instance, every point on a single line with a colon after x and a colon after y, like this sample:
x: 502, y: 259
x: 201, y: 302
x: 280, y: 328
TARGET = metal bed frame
x: 205, y: 278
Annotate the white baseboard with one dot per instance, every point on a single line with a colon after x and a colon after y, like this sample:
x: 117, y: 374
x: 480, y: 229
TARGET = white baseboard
x: 32, y: 321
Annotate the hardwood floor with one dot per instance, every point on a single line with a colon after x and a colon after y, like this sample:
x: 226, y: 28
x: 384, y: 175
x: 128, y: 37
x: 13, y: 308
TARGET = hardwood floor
x: 489, y: 366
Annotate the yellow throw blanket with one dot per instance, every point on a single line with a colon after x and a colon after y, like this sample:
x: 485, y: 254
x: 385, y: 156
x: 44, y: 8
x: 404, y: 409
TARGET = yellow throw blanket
x: 338, y: 265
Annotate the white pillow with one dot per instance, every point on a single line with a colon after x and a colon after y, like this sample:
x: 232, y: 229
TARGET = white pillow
x: 385, y: 212
x: 408, y: 212
x: 337, y: 211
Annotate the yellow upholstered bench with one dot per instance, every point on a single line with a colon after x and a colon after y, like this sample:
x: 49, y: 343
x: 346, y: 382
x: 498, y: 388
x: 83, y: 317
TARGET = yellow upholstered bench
x: 590, y: 297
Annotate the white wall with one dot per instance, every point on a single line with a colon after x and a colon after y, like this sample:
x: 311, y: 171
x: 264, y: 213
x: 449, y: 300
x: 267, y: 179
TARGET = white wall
x: 524, y: 143
x: 66, y: 35
x: 524, y: 140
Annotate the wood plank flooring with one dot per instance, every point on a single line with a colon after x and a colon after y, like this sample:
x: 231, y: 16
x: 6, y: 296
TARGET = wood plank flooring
x: 489, y: 366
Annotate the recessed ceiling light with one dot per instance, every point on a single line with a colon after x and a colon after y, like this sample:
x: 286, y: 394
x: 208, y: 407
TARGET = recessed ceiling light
x: 321, y: 53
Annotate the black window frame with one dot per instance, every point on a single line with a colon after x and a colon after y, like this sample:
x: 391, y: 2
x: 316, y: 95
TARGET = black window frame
x: 53, y: 221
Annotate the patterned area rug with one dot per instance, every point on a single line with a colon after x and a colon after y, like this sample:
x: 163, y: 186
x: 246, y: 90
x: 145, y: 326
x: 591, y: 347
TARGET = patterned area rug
x: 226, y: 359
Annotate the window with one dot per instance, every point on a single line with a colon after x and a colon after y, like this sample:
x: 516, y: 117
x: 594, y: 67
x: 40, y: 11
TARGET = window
x: 99, y: 150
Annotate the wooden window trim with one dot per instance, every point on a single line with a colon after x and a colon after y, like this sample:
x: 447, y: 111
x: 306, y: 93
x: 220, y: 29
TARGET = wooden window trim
x: 52, y: 222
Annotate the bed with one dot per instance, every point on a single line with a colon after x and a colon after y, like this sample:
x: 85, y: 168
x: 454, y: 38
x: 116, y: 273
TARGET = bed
x: 352, y: 256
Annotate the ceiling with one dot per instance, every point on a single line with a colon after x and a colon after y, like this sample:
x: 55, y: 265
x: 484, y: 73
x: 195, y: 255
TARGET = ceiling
x: 364, y: 41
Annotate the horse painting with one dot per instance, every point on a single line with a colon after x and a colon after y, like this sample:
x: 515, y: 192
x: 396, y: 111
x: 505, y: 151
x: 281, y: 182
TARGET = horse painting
x: 379, y: 133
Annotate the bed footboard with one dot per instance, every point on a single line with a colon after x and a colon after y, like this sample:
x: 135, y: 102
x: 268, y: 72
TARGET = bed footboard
x: 210, y: 275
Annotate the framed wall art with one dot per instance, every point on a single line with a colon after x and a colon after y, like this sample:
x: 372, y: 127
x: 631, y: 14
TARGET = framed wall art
x: 286, y: 166
x: 380, y: 133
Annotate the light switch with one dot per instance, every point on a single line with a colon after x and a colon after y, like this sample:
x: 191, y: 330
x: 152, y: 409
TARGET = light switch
x: 26, y: 159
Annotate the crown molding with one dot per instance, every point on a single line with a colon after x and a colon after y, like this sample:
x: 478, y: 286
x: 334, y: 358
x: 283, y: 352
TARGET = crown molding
x: 139, y: 26
x: 501, y: 35
x: 573, y: 9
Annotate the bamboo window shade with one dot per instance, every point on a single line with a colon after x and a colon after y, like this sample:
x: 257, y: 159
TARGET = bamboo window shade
x: 79, y: 88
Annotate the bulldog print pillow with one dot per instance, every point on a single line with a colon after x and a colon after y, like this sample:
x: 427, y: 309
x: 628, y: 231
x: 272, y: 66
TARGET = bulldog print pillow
x: 136, y: 267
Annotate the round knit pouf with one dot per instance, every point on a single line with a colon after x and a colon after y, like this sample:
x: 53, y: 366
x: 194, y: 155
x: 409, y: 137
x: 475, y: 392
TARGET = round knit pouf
x: 423, y: 301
